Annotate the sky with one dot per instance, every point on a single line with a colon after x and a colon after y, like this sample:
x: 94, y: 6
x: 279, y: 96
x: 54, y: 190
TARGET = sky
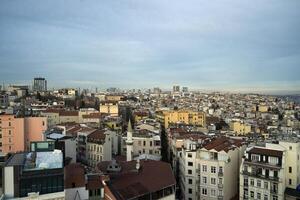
x: 232, y: 45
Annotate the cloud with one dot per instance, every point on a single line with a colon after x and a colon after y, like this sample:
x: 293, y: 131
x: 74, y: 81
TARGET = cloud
x: 197, y: 43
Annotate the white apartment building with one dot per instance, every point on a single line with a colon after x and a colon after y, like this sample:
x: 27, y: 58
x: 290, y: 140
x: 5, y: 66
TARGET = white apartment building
x: 101, y: 145
x: 209, y: 168
x: 271, y: 172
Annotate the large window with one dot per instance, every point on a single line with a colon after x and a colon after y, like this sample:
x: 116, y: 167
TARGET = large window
x: 204, y: 168
x: 204, y: 191
x: 213, y: 169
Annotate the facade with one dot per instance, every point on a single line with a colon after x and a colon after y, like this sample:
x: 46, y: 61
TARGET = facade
x: 99, y: 147
x: 39, y: 84
x: 57, y: 116
x: 240, y: 128
x: 17, y: 133
x: 109, y: 107
x: 206, y: 170
x: 184, y: 116
x: 271, y: 172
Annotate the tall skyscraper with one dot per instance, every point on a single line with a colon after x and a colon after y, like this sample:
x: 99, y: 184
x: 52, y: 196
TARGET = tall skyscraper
x: 39, y: 84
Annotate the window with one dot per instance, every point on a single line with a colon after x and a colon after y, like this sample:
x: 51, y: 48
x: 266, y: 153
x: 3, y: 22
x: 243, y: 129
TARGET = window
x: 190, y: 171
x: 220, y: 180
x: 190, y: 164
x: 204, y: 191
x: 190, y: 181
x: 150, y: 151
x: 266, y: 185
x: 9, y: 132
x: 251, y: 194
x: 150, y: 143
x: 290, y: 181
x: 189, y: 155
x: 190, y: 191
x: 290, y: 169
x: 43, y: 123
x: 275, y: 198
x: 252, y: 182
x: 144, y: 143
x: 245, y: 182
x: 266, y: 197
x: 213, y: 181
x: 204, y: 168
x: 9, y: 123
x: 213, y: 169
x: 221, y: 170
x: 258, y: 195
x: 213, y: 192
x: 291, y: 147
x: 204, y: 180
x: 258, y: 183
x: 254, y: 157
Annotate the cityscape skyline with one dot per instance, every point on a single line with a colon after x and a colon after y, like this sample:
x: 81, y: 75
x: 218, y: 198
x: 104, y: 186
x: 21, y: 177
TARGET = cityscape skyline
x: 223, y: 46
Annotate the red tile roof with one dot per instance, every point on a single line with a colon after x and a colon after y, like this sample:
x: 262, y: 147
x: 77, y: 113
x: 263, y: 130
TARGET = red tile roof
x: 74, y: 176
x: 130, y: 183
x: 264, y: 151
x: 223, y: 144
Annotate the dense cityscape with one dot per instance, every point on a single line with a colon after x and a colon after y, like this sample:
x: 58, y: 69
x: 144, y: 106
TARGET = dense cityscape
x: 73, y: 143
x: 149, y: 100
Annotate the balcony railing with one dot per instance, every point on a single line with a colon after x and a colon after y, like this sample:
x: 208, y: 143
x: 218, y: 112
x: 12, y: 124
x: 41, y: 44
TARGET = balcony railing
x: 220, y: 197
x: 259, y: 175
x: 220, y: 185
x: 220, y: 173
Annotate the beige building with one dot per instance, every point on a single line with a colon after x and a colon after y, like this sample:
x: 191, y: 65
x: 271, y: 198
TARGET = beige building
x: 57, y: 116
x: 210, y: 171
x: 144, y: 145
x: 271, y: 172
x: 101, y: 145
x: 109, y: 107
x: 240, y: 128
x: 183, y: 116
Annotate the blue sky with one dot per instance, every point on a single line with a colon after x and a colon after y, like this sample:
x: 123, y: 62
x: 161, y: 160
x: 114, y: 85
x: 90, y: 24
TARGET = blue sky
x: 219, y: 45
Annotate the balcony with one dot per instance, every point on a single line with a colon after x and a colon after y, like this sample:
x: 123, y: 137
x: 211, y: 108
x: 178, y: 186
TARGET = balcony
x: 220, y: 173
x: 261, y: 176
x: 220, y: 185
x: 220, y: 197
x: 262, y: 164
x: 274, y: 191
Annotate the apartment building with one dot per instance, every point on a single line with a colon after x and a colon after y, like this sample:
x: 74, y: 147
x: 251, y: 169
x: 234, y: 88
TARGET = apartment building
x: 145, y: 144
x: 184, y: 116
x: 271, y: 172
x: 17, y: 133
x: 101, y: 145
x: 240, y: 128
x: 209, y: 167
x: 58, y: 116
x: 109, y: 107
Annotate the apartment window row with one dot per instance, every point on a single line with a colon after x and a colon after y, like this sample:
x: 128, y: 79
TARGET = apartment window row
x: 213, y: 192
x: 258, y: 195
x: 213, y: 180
x: 213, y: 169
x: 259, y: 183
